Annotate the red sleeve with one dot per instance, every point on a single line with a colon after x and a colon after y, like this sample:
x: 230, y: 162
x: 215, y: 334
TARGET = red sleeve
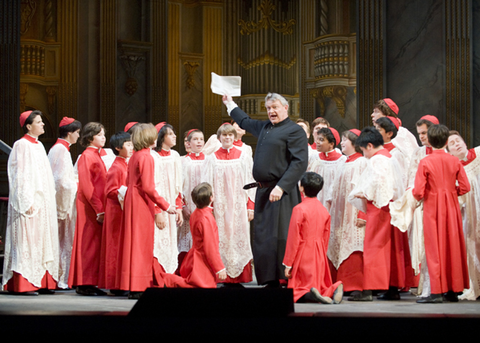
x: 116, y: 177
x: 179, y: 202
x: 362, y: 215
x: 250, y: 205
x: 463, y: 183
x: 420, y: 181
x: 293, y: 239
x: 146, y: 170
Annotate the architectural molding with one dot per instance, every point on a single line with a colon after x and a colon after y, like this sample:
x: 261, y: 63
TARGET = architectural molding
x: 267, y: 8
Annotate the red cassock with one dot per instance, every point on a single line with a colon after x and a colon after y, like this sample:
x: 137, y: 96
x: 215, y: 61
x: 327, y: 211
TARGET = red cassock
x: 203, y: 261
x: 385, y: 253
x: 92, y: 173
x: 435, y: 183
x: 306, y: 250
x: 116, y: 178
x: 136, y: 265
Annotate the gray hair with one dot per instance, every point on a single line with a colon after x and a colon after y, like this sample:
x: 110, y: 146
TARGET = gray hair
x: 276, y: 96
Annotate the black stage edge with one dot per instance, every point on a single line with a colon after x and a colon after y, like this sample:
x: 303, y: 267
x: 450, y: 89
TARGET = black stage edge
x: 214, y: 303
x: 304, y: 326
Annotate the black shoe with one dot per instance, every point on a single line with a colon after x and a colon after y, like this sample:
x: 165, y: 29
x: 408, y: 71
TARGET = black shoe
x: 98, y: 291
x: 431, y: 299
x: 361, y: 296
x: 135, y: 295
x: 391, y: 294
x: 23, y: 293
x: 272, y: 284
x: 451, y: 297
x: 119, y: 293
x: 86, y: 290
x: 233, y: 285
x: 46, y: 291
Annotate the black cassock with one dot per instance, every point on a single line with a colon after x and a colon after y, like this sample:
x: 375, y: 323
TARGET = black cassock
x: 281, y: 158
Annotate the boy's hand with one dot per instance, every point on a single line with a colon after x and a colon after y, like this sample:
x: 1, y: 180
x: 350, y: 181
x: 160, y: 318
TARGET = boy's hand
x: 361, y: 223
x: 222, y: 275
x: 172, y: 210
x: 179, y: 217
x: 288, y: 272
x: 250, y: 215
x: 160, y: 221
x: 100, y: 218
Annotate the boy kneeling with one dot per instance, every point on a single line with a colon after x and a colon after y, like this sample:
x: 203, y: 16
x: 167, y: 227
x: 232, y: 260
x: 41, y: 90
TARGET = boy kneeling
x: 305, y: 261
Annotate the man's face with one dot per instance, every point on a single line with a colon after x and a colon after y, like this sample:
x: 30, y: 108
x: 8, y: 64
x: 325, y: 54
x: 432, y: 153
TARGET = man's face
x: 457, y: 147
x: 422, y: 134
x: 276, y: 111
x: 376, y: 114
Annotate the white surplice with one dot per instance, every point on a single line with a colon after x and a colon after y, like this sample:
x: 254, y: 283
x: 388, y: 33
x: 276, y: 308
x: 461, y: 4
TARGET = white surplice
x: 66, y: 188
x: 168, y: 184
x: 227, y: 178
x: 345, y: 236
x: 31, y: 242
x: 471, y: 226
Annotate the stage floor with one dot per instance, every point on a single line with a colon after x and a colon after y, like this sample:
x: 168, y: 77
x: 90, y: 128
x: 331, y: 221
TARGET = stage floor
x: 66, y: 314
x: 68, y: 302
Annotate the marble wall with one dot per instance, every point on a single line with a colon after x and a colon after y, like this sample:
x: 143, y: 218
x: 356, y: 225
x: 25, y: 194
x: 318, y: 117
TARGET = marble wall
x: 415, y: 59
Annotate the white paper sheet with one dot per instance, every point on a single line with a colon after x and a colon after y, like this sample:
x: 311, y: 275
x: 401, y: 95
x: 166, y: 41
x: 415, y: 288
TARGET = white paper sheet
x: 226, y: 85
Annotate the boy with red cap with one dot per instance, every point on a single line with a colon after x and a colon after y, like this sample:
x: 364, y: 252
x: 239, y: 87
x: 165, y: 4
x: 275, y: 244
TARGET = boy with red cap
x: 436, y: 183
x: 31, y: 243
x: 422, y: 128
x: 388, y: 128
x: 405, y: 141
x: 66, y: 188
x: 383, y: 256
x: 317, y: 124
x: 326, y: 161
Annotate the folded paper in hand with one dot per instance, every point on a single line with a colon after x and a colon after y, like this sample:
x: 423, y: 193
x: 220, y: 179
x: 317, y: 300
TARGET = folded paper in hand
x: 226, y: 85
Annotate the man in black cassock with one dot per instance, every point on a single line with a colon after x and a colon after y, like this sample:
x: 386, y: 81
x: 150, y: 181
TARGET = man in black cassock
x: 281, y: 158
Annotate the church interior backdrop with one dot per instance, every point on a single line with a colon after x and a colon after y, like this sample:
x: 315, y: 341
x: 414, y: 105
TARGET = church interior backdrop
x: 116, y: 61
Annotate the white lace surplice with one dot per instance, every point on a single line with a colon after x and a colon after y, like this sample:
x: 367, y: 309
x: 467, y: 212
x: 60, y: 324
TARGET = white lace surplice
x: 168, y: 184
x: 66, y: 188
x: 31, y: 243
x: 380, y: 183
x: 227, y: 178
x: 328, y: 170
x: 417, y: 155
x: 192, y: 176
x: 345, y: 236
x: 405, y: 141
x: 471, y: 225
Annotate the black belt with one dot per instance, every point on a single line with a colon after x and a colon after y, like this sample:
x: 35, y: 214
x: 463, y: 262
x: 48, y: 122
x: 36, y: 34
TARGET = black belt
x: 260, y: 184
